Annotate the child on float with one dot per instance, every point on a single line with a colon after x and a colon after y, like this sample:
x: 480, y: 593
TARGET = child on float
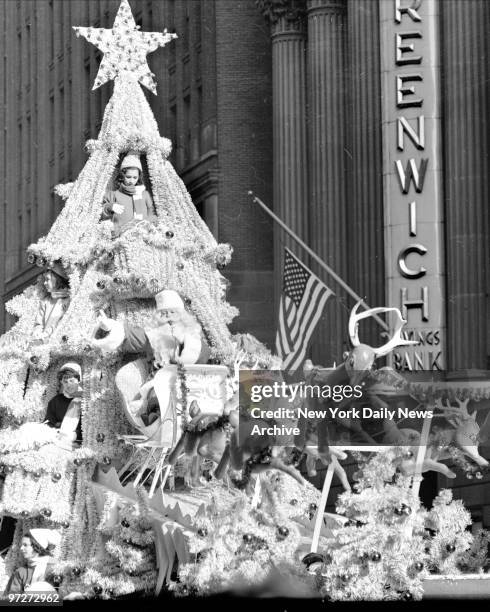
x: 36, y: 548
x: 64, y: 409
x: 54, y: 304
x: 130, y: 202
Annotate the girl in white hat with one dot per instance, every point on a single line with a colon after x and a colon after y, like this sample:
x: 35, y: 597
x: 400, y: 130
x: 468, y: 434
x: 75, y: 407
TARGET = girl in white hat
x: 130, y: 202
x: 36, y: 549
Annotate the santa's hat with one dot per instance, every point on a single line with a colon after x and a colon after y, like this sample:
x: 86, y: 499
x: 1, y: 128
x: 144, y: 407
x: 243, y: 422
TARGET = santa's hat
x: 71, y: 365
x: 169, y: 299
x: 131, y: 160
x: 46, y: 538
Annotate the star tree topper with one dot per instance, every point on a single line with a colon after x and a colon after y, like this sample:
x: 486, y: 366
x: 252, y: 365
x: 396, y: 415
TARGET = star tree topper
x: 125, y: 48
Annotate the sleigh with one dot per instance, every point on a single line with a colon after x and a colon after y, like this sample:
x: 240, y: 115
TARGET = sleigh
x: 150, y: 448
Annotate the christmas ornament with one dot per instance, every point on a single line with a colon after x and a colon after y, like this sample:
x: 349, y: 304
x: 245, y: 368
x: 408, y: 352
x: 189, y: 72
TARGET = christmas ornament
x: 419, y: 566
x: 57, y: 579
x: 56, y: 476
x: 64, y: 338
x: 65, y: 524
x: 78, y: 462
x: 312, y: 510
x: 202, y: 532
x: 125, y: 48
x: 376, y: 557
x: 100, y: 285
x: 450, y: 548
x: 478, y: 475
x: 248, y: 538
x: 125, y: 523
x: 97, y: 589
x: 169, y: 234
x: 282, y: 532
x: 46, y: 512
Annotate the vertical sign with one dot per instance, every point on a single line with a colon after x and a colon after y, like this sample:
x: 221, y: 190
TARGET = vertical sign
x: 413, y: 218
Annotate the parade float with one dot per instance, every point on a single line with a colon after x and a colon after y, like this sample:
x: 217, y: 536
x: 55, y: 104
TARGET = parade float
x: 143, y: 475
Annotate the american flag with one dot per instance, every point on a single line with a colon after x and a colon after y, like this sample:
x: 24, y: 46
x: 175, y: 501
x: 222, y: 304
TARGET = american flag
x: 302, y: 301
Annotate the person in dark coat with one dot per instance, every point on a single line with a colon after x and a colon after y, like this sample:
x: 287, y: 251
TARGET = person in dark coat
x: 36, y: 548
x: 69, y: 376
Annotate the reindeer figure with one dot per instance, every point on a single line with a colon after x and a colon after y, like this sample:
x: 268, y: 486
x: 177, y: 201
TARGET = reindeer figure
x: 358, y: 362
x: 465, y: 434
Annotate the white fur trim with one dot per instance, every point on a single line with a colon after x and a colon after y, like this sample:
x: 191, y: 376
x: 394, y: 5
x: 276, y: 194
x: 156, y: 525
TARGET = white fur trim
x: 71, y: 365
x: 114, y: 338
x: 169, y: 299
x: 131, y: 161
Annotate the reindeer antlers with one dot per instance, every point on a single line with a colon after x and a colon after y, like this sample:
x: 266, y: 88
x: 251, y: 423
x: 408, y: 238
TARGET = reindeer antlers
x: 395, y: 341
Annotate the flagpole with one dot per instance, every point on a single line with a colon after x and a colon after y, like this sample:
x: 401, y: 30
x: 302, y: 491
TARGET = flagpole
x: 321, y: 263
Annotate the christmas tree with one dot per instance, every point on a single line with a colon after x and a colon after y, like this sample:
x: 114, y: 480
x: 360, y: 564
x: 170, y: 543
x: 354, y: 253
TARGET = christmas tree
x: 390, y: 541
x: 101, y: 265
x: 239, y: 544
x: 124, y: 559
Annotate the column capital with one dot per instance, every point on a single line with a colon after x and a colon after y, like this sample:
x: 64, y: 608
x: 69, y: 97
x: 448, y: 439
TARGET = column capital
x: 292, y: 11
x: 325, y: 6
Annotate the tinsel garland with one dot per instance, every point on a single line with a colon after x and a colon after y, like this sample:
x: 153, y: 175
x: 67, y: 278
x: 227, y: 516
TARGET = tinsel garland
x: 184, y: 390
x: 390, y: 542
x: 30, y: 436
x: 141, y: 143
x: 48, y: 458
x: 236, y: 544
x: 473, y: 392
x: 80, y: 535
x: 123, y: 564
x: 63, y: 190
x: 36, y: 491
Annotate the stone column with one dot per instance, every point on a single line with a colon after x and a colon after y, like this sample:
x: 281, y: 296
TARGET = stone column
x: 327, y: 156
x: 464, y: 29
x: 365, y: 165
x: 290, y: 168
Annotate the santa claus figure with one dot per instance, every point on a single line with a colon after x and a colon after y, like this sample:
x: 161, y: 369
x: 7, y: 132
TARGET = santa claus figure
x: 172, y: 338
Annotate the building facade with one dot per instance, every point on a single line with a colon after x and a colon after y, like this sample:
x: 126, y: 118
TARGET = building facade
x: 381, y: 161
